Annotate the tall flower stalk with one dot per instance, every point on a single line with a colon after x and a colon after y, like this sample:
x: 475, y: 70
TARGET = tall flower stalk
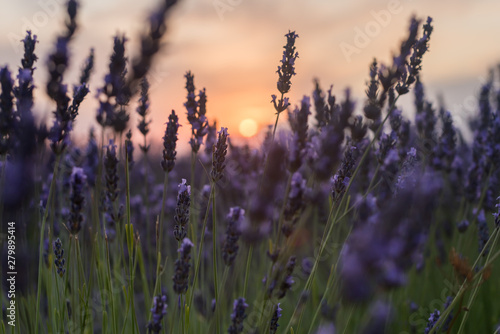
x: 285, y: 72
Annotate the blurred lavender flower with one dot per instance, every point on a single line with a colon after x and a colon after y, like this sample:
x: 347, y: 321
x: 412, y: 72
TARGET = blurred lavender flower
x: 341, y: 179
x: 196, y: 111
x: 274, y: 320
x: 433, y: 318
x: 158, y: 311
x: 449, y: 319
x: 287, y: 281
x: 210, y: 141
x: 111, y: 194
x: 299, y: 126
x: 380, y: 250
x: 238, y: 316
x: 463, y: 225
x: 79, y: 93
x: 296, y: 202
x: 182, y: 267
x: 91, y: 159
x: 87, y: 68
x: 112, y: 93
x: 444, y: 152
x: 328, y: 328
x: 142, y: 110
x: 169, y: 143
x: 230, y: 246
x: 150, y: 44
x: 373, y: 106
x: 380, y: 316
x: 111, y: 173
x: 219, y: 156
x: 262, y: 204
x: 77, y: 199
x: 59, y: 260
x: 30, y: 57
x: 129, y: 149
x: 320, y: 106
x: 327, y: 151
x: 181, y: 217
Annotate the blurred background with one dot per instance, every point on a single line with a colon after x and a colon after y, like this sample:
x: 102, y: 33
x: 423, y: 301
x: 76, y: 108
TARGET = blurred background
x: 233, y: 47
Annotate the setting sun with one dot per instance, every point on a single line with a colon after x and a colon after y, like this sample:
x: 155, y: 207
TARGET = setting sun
x: 248, y: 127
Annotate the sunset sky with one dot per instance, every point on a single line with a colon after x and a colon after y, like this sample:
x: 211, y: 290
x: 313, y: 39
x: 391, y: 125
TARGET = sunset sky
x: 233, y: 47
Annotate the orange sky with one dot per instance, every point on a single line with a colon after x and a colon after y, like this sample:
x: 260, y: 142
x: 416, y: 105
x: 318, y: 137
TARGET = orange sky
x: 233, y: 48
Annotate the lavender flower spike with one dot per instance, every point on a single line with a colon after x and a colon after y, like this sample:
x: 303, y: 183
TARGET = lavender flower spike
x: 285, y: 72
x: 238, y: 316
x: 59, y: 260
x: 181, y: 217
x: 233, y: 232
x: 77, y: 199
x: 276, y: 317
x: 159, y: 310
x: 219, y: 155
x: 182, y: 267
x: 169, y: 143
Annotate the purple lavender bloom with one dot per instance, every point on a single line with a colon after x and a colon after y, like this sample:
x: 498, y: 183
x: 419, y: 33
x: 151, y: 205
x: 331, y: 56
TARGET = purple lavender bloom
x: 30, y: 57
x: 433, y: 318
x: 150, y: 42
x: 129, y: 149
x: 444, y: 152
x: 169, y: 143
x: 59, y: 260
x: 181, y: 217
x: 287, y: 68
x: 262, y: 206
x: 79, y: 93
x: 219, y: 156
x: 143, y: 110
x: 298, y: 123
x: 91, y: 159
x: 449, y: 319
x: 372, y: 108
x: 274, y: 320
x: 382, y: 248
x: 285, y: 72
x: 341, y: 179
x: 111, y: 173
x: 238, y: 316
x: 328, y: 150
x: 230, y: 246
x: 320, y: 106
x: 77, y: 199
x: 182, y: 267
x: 158, y: 311
x: 296, y: 202
x: 463, y: 225
x: 287, y: 281
x: 497, y: 214
x: 196, y: 111
x: 87, y: 68
x: 113, y: 92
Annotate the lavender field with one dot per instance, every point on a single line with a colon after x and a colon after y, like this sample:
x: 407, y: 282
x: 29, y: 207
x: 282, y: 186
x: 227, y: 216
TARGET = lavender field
x: 349, y: 215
